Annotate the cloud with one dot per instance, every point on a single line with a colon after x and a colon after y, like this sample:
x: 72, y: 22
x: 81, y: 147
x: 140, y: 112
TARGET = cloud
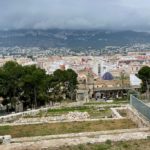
x: 75, y: 14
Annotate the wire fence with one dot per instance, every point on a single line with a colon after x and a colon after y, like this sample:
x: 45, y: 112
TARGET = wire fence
x: 140, y: 106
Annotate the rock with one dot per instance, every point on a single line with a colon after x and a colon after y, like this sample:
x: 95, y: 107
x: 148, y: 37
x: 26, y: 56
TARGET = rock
x: 101, y: 109
x: 77, y: 115
x: 6, y: 139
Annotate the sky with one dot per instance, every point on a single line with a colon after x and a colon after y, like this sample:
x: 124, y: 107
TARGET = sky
x: 75, y: 14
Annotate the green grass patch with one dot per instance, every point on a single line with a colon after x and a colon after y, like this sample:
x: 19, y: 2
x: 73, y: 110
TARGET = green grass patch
x: 68, y: 109
x: 94, y: 112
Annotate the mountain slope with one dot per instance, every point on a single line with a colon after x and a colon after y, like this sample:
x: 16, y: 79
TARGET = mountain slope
x: 71, y: 38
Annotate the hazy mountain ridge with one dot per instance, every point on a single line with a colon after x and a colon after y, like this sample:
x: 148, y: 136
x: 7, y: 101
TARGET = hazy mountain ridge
x: 71, y: 38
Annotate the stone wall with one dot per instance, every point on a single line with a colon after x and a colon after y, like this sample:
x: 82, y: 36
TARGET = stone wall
x: 71, y: 116
x: 82, y: 134
x: 115, y: 113
x: 16, y: 116
x: 132, y: 114
x: 137, y: 118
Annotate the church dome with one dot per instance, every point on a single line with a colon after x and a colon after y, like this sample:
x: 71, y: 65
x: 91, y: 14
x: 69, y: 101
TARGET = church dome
x: 107, y: 76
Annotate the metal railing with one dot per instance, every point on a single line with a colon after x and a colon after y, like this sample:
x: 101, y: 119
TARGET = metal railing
x: 140, y: 106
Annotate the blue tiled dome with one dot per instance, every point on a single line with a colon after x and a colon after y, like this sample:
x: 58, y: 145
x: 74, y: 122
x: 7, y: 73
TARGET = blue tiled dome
x: 107, y: 76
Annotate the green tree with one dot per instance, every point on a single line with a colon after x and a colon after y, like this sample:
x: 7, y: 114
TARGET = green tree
x: 10, y: 75
x: 33, y: 83
x: 65, y: 82
x: 71, y: 83
x: 144, y: 75
x: 58, y: 84
x: 33, y: 87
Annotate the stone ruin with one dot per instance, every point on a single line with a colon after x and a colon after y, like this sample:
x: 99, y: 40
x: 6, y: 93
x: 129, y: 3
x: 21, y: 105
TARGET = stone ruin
x: 77, y: 115
x: 71, y: 116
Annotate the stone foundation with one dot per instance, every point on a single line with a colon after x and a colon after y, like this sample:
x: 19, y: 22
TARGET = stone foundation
x: 137, y: 118
x: 131, y: 114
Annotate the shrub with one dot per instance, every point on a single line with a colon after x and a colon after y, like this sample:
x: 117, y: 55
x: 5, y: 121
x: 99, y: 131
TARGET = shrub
x: 108, y: 142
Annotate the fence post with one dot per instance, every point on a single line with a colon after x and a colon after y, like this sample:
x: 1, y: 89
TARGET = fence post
x: 131, y: 99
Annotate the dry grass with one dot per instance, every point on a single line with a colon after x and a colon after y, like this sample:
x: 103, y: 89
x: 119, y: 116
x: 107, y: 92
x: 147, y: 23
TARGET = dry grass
x: 62, y: 128
x: 126, y: 145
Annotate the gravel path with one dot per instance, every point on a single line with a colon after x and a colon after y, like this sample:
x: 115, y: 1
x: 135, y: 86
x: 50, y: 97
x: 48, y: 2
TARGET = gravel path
x: 44, y: 144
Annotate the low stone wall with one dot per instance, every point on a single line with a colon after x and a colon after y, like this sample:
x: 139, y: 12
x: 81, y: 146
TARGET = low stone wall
x: 71, y: 116
x: 137, y: 118
x: 16, y: 116
x: 132, y: 114
x: 115, y: 113
x: 66, y: 121
x: 46, y: 144
x: 82, y: 134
